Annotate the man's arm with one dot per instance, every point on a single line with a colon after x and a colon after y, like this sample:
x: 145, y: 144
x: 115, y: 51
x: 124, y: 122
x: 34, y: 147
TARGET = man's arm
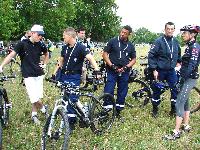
x: 106, y: 59
x: 92, y: 61
x: 131, y: 63
x: 59, y: 65
x: 8, y: 59
x: 46, y: 58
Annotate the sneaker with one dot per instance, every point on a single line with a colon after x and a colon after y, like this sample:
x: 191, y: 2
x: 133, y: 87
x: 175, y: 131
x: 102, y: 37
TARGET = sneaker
x: 36, y: 120
x: 119, y: 116
x: 173, y: 136
x: 186, y: 128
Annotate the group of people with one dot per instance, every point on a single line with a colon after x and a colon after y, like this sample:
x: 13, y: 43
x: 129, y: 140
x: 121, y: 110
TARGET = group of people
x: 164, y: 58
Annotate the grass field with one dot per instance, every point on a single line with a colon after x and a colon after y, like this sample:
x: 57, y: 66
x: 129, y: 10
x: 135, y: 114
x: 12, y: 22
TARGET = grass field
x: 139, y: 131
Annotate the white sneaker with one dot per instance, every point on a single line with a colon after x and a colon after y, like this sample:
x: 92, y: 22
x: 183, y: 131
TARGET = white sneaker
x: 36, y: 120
x: 186, y: 128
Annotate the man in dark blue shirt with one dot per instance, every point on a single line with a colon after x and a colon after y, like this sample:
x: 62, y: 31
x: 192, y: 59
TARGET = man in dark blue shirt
x: 71, y: 63
x: 119, y: 55
x: 163, y: 57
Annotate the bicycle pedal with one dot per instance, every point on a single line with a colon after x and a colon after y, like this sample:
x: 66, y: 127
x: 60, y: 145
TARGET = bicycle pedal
x: 56, y: 135
x: 9, y: 105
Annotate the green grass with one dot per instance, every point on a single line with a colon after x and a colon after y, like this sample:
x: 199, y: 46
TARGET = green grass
x: 139, y: 131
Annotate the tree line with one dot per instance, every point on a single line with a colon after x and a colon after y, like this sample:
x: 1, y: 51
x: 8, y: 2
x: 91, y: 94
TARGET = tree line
x: 98, y: 17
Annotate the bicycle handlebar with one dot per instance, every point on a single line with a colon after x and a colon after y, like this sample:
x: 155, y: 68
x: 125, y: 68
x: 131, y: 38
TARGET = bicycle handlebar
x: 69, y: 87
x: 5, y: 78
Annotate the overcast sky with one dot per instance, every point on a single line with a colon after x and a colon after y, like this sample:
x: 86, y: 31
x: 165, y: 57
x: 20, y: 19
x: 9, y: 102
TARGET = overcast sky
x: 153, y: 14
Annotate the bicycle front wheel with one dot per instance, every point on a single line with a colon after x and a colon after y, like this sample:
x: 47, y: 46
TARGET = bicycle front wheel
x: 1, y: 135
x: 195, y: 103
x: 102, y: 118
x: 4, y: 108
x: 138, y: 92
x: 56, y: 132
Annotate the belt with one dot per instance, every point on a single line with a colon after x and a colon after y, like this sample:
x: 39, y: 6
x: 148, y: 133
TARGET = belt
x: 71, y: 72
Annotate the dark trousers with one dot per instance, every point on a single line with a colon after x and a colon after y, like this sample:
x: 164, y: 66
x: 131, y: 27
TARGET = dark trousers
x: 122, y: 88
x: 171, y: 78
x: 75, y: 80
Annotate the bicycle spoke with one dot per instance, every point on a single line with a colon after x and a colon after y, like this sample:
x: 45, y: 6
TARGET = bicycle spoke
x: 101, y: 117
x: 56, y: 132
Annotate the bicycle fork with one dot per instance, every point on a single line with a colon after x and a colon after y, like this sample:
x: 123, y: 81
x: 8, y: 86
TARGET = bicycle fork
x: 53, y: 116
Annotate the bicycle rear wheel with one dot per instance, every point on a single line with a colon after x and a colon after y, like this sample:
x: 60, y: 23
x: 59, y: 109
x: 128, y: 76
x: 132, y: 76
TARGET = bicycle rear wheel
x: 195, y: 103
x: 56, y: 132
x: 102, y: 118
x: 138, y: 92
x: 1, y: 135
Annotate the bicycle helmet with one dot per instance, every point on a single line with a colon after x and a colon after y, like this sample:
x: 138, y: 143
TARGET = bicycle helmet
x: 191, y: 28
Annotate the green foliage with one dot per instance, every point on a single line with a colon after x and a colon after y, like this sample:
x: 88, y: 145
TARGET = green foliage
x: 9, y: 20
x: 97, y: 17
x: 143, y: 35
x: 53, y: 15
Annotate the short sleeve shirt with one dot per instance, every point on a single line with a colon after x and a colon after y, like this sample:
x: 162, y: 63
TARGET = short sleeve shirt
x: 74, y: 56
x: 30, y: 57
x: 120, y: 52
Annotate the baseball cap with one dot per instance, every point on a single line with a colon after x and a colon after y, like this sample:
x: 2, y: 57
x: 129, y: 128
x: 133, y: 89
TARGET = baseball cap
x: 38, y: 28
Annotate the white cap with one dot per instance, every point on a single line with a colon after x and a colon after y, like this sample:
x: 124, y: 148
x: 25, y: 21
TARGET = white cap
x: 38, y: 28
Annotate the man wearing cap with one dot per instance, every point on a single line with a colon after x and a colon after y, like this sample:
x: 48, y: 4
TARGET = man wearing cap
x: 29, y: 51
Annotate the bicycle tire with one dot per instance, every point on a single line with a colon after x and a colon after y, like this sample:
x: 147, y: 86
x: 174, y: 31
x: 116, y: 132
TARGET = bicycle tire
x: 54, y: 140
x: 1, y: 136
x: 101, y: 118
x: 6, y: 112
x: 140, y: 93
x: 195, y: 103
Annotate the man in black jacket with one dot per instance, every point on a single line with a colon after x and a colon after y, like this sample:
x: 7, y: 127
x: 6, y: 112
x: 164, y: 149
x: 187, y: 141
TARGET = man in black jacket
x: 163, y: 57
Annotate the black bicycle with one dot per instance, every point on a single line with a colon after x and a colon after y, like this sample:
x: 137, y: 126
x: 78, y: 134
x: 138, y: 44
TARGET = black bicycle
x: 141, y: 88
x: 5, y: 106
x: 139, y: 91
x: 56, y: 130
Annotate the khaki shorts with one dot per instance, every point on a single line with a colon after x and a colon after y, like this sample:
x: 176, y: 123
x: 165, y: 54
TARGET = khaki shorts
x: 34, y: 87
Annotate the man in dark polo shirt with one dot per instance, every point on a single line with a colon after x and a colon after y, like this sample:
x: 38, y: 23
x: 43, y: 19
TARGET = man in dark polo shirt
x: 119, y: 55
x: 71, y: 63
x: 30, y: 51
